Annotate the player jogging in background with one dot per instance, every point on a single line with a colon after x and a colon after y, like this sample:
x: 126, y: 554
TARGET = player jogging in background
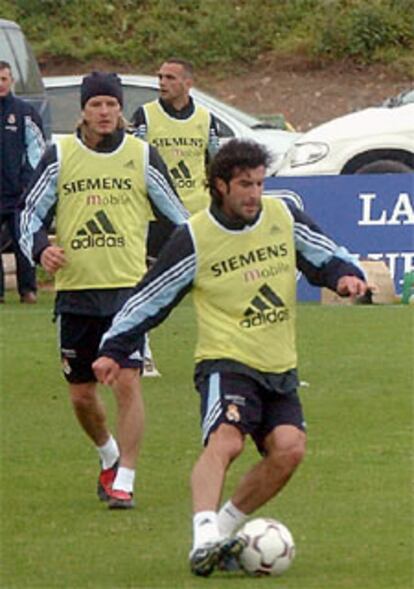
x: 185, y: 134
x: 103, y: 186
x: 239, y: 258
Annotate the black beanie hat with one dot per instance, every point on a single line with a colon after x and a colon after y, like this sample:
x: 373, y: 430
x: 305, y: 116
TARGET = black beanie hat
x: 101, y: 84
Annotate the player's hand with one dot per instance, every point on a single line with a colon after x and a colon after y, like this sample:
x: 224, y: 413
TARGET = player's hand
x: 352, y: 286
x: 52, y: 258
x: 106, y: 370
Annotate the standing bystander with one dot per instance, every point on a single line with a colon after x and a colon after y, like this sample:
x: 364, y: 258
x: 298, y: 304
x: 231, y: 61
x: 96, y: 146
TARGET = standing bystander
x: 21, y: 147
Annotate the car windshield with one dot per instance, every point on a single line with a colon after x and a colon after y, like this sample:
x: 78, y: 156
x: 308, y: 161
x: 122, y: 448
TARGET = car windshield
x: 276, y: 121
x: 66, y: 109
x: 212, y: 103
x: 15, y: 50
x: 64, y: 102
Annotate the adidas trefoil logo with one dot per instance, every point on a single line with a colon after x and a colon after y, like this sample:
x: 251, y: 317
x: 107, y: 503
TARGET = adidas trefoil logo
x: 97, y: 232
x: 181, y: 176
x: 265, y: 307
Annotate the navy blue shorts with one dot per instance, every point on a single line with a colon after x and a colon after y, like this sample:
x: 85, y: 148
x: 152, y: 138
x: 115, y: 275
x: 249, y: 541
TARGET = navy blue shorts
x: 79, y: 339
x: 239, y: 400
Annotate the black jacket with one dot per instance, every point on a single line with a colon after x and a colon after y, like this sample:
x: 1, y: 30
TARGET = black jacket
x: 21, y: 146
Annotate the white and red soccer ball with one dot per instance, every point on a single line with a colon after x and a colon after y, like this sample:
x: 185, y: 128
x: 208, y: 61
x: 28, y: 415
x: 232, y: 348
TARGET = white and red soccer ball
x: 270, y: 548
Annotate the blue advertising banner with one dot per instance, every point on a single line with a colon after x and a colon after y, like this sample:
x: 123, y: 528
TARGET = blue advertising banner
x: 372, y: 215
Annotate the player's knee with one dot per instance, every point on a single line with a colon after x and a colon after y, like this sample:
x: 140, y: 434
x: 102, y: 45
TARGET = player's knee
x: 295, y: 454
x: 128, y: 382
x: 288, y: 456
x: 227, y: 441
x: 82, y: 396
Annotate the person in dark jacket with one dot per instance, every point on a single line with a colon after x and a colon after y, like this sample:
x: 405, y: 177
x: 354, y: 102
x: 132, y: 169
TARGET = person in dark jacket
x: 21, y: 146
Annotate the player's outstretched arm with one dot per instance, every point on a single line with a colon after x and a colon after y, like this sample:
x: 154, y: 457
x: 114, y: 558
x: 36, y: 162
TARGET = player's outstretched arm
x: 153, y: 299
x: 352, y: 286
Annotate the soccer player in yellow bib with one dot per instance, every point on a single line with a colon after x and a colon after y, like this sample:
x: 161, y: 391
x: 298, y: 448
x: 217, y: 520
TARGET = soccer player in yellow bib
x: 239, y: 258
x: 103, y: 186
x: 185, y: 134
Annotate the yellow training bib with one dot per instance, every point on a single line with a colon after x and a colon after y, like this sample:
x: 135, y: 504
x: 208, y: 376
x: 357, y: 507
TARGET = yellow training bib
x: 102, y: 214
x: 182, y: 144
x: 245, y: 290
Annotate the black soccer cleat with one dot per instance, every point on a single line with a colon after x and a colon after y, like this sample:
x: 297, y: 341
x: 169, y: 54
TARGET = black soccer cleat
x: 230, y: 551
x: 204, y: 559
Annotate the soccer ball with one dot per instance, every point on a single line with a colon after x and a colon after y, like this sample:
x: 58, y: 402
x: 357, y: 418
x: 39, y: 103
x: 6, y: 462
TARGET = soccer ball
x: 270, y: 547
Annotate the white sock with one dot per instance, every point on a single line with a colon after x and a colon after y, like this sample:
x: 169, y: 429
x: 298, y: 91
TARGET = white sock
x: 229, y: 519
x: 124, y: 480
x: 205, y: 528
x: 108, y: 453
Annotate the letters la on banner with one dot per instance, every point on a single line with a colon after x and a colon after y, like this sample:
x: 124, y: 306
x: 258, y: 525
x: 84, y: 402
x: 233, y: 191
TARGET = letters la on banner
x: 372, y: 214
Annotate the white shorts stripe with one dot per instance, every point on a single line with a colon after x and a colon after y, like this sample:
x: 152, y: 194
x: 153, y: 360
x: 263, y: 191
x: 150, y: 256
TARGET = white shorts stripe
x: 213, y: 404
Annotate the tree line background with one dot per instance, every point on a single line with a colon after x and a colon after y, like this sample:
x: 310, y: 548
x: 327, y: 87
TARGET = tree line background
x: 218, y: 35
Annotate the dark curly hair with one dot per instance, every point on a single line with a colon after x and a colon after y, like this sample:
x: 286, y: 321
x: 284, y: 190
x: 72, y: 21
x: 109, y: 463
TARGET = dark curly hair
x: 235, y: 155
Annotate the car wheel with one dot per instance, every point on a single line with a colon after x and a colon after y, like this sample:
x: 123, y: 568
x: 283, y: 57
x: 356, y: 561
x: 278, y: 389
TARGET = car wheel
x: 384, y: 167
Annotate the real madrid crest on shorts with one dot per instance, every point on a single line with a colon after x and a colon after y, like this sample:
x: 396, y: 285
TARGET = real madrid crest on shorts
x: 232, y: 413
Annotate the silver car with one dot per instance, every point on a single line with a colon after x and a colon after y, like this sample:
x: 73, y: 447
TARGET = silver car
x: 63, y: 92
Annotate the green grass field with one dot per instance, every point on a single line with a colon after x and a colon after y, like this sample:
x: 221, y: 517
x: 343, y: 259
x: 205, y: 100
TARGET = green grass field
x: 349, y: 507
